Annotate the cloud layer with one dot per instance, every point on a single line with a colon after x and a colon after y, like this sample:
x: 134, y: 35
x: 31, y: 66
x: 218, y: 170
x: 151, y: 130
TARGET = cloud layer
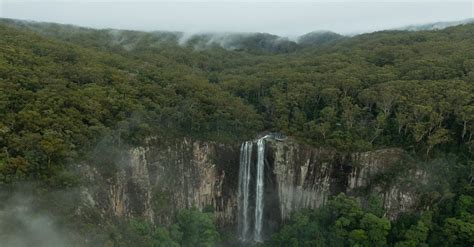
x: 277, y: 17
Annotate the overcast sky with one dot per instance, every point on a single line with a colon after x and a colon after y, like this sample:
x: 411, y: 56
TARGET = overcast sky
x: 277, y: 17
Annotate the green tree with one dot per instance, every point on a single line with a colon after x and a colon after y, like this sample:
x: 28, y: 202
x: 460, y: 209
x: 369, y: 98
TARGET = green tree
x: 197, y: 228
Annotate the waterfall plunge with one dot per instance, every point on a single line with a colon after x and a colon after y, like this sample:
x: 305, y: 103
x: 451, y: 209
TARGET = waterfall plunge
x: 244, y: 193
x: 259, y: 189
x: 244, y: 189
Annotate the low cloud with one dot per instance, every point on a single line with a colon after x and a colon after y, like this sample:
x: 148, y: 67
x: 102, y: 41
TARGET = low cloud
x: 22, y: 226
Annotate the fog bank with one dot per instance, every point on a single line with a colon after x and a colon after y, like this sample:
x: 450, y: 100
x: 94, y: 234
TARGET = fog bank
x: 276, y: 17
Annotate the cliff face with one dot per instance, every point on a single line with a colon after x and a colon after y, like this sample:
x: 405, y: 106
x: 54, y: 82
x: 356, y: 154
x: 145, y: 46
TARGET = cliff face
x: 306, y: 177
x: 160, y: 178
x: 157, y: 180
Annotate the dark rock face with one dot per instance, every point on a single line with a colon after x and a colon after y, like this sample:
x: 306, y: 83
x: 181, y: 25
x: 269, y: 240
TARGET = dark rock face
x: 162, y: 177
x: 308, y: 176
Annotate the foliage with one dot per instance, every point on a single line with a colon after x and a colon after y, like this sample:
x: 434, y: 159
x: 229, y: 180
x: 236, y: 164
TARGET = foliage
x: 192, y: 228
x: 197, y: 228
x: 65, y: 92
x: 63, y: 88
x: 59, y: 100
x: 342, y: 222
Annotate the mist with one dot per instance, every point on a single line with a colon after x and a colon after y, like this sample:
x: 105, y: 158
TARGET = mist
x: 275, y: 17
x: 22, y: 226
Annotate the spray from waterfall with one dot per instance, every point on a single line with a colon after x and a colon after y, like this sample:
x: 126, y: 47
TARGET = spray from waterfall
x: 251, y: 179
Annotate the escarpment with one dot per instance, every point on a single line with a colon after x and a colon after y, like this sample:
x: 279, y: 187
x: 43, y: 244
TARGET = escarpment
x: 160, y: 178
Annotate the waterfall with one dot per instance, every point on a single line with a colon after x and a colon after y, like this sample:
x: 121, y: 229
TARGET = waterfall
x: 259, y: 189
x: 244, y: 189
x: 251, y: 219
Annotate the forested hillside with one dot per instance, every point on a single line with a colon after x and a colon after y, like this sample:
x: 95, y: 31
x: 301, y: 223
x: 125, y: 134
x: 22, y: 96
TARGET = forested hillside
x: 59, y: 99
x: 65, y: 89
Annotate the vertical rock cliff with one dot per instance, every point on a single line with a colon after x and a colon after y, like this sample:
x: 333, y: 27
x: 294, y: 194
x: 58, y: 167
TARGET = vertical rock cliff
x: 162, y: 177
x: 156, y: 180
x: 307, y: 176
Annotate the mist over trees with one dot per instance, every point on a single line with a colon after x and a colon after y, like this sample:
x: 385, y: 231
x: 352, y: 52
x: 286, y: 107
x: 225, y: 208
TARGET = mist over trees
x: 63, y: 89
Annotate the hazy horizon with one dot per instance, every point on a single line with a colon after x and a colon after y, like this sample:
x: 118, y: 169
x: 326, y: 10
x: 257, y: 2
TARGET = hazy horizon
x: 275, y: 17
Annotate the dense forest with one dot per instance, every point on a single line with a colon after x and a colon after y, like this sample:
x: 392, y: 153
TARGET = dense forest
x: 65, y: 89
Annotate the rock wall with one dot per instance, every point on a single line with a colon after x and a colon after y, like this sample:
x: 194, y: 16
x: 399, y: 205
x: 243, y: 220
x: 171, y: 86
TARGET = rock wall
x: 385, y: 173
x: 306, y: 176
x: 158, y: 179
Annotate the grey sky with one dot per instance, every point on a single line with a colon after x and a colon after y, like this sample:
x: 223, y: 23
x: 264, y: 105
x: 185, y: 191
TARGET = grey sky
x: 278, y: 17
